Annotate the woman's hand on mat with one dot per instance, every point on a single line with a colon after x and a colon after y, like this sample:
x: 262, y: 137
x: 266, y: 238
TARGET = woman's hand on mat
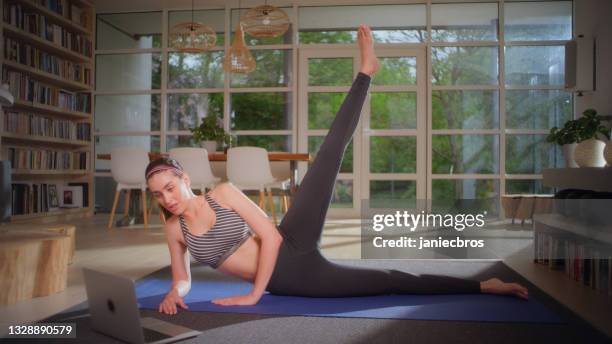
x: 241, y: 300
x: 497, y: 286
x: 168, y: 305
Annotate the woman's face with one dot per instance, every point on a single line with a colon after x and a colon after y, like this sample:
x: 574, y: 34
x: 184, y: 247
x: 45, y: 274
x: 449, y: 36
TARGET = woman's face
x: 170, y: 191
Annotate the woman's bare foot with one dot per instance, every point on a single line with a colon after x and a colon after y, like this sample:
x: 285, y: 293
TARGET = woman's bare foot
x: 496, y: 286
x: 369, y: 62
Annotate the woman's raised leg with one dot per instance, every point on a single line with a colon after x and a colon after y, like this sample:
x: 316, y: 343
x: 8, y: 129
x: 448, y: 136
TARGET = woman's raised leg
x: 303, y: 223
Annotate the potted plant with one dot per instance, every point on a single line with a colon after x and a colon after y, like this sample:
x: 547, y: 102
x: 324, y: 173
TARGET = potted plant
x: 583, y: 132
x: 210, y: 134
x: 566, y: 137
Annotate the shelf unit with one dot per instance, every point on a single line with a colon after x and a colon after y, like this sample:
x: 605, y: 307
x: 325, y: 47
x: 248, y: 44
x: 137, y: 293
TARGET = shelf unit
x: 10, y: 137
x: 577, y: 236
x: 586, y: 178
x: 48, y: 109
x: 51, y: 111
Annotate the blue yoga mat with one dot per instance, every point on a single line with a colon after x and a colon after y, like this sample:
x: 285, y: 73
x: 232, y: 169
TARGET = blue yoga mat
x: 468, y: 307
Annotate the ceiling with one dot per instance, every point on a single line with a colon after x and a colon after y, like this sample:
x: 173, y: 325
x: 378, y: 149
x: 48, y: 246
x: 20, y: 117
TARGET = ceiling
x: 109, y: 6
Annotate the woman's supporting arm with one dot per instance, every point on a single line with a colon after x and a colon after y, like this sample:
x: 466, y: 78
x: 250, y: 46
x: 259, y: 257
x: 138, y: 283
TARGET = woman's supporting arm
x: 264, y: 228
x: 181, y: 273
x: 179, y: 259
x: 183, y: 286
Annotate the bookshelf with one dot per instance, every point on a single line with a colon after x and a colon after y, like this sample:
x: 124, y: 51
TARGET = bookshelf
x: 576, y: 238
x: 46, y: 57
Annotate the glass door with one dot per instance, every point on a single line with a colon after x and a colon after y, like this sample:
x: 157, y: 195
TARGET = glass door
x: 386, y: 161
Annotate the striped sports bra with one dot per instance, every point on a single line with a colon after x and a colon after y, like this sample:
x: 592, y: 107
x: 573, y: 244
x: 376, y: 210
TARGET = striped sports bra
x: 224, y: 238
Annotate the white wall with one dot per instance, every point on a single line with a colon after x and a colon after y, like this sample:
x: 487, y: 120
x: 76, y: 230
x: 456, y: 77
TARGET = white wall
x: 592, y: 18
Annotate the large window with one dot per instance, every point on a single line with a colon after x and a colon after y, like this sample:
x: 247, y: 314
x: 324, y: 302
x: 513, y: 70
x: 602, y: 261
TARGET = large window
x: 534, y: 97
x: 337, y: 24
x: 465, y: 136
x: 495, y: 80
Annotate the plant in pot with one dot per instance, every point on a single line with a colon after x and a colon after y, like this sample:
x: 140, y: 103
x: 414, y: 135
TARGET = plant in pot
x: 580, y: 136
x: 566, y: 137
x: 210, y: 134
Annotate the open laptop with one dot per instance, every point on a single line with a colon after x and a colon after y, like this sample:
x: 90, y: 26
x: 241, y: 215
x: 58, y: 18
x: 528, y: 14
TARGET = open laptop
x: 114, y: 312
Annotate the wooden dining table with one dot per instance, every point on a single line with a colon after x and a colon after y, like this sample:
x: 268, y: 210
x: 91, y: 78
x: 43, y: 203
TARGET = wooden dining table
x: 293, y: 159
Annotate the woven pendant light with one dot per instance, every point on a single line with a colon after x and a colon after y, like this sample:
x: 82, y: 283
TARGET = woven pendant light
x: 265, y: 21
x: 192, y: 37
x: 239, y: 59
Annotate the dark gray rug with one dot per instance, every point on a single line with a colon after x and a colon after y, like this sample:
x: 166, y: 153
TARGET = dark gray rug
x: 252, y: 328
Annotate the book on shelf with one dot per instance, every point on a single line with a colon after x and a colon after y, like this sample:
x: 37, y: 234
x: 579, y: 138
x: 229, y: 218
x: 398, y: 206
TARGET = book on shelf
x: 587, y: 263
x: 37, y: 24
x: 27, y: 55
x: 79, y: 16
x: 32, y: 124
x: 28, y: 89
x: 67, y: 10
x: 28, y: 158
x: 59, y: 7
x: 31, y: 197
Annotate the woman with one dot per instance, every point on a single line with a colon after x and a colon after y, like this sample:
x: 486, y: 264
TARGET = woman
x: 286, y: 260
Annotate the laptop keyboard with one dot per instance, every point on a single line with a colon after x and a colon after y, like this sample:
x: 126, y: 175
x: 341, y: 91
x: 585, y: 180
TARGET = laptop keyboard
x: 152, y: 335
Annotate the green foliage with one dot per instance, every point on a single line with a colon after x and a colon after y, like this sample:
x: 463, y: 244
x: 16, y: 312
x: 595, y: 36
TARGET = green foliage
x: 537, y: 109
x: 396, y: 71
x: 393, y: 154
x: 322, y: 108
x: 392, y: 193
x: 336, y: 71
x: 189, y: 70
x: 577, y: 130
x: 271, y: 70
x: 257, y: 111
x: 307, y: 37
x: 393, y: 110
x: 278, y: 143
x: 208, y: 130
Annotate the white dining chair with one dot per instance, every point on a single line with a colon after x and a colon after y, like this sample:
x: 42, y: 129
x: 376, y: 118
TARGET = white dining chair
x: 249, y: 169
x: 281, y: 170
x: 128, y: 166
x: 196, y: 164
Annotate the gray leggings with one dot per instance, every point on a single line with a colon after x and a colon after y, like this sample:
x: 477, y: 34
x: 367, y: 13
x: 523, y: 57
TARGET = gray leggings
x: 300, y: 269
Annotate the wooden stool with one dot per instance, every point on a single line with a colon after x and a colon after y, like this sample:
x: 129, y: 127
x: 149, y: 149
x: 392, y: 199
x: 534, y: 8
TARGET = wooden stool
x: 34, y: 260
x: 68, y: 230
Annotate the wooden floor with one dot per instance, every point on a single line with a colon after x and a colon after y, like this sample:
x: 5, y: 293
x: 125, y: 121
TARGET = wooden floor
x: 135, y: 252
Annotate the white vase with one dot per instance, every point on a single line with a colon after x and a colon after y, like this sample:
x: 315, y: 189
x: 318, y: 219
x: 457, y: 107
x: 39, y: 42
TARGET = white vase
x: 608, y: 153
x: 210, y: 146
x: 568, y: 154
x: 589, y: 153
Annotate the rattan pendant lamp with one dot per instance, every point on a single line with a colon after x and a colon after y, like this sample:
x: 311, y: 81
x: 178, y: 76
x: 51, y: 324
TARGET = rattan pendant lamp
x: 265, y: 21
x: 239, y: 59
x: 192, y: 37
